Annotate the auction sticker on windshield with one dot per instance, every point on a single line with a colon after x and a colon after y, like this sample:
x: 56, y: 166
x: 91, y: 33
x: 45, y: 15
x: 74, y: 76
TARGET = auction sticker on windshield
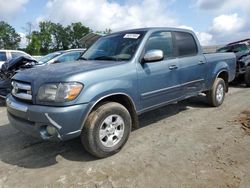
x: 131, y: 36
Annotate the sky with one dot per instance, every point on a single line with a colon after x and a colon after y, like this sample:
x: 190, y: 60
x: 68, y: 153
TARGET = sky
x: 215, y: 22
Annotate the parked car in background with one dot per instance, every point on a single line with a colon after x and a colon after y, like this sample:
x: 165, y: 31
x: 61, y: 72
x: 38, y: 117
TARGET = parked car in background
x: 61, y: 56
x: 121, y: 75
x: 242, y: 52
x: 9, y: 54
x: 17, y: 64
x: 10, y: 68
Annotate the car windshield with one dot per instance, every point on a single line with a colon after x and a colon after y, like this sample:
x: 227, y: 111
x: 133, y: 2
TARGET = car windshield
x: 115, y: 47
x: 234, y: 48
x: 48, y: 57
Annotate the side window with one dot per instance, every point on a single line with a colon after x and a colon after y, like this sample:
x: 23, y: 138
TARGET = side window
x: 186, y: 44
x: 17, y: 54
x: 3, y: 56
x: 161, y: 41
x: 69, y: 57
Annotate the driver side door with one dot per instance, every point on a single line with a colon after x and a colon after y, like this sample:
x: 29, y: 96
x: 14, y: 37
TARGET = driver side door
x: 158, y: 82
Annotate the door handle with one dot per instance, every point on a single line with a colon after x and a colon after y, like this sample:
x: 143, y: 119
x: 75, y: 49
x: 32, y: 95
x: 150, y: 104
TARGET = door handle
x: 201, y: 62
x: 173, y: 67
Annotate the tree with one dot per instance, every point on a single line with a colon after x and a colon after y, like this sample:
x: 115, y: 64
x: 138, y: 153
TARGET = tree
x: 61, y: 38
x: 34, y: 47
x: 28, y: 28
x: 45, y: 36
x: 9, y: 38
x: 76, y: 32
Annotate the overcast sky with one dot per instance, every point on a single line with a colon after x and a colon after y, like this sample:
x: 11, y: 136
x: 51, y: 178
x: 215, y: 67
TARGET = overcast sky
x: 214, y: 21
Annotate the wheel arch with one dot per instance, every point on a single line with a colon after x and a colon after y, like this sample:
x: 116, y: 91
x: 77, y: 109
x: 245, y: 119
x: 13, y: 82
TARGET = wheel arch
x: 121, y: 98
x: 225, y: 76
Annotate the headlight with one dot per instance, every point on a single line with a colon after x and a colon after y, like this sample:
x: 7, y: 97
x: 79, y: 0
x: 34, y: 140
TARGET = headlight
x: 59, y: 92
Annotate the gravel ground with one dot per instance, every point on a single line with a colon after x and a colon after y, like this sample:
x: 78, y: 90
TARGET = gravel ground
x: 182, y: 145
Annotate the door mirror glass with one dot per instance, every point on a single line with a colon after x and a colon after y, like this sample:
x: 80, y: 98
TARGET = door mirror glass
x: 153, y: 55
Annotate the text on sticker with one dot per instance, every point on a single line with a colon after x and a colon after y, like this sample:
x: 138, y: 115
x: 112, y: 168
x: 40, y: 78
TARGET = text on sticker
x: 131, y: 36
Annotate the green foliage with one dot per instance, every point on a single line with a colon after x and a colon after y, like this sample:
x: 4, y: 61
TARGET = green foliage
x: 9, y: 39
x: 48, y: 38
x: 54, y: 36
x: 76, y: 32
x: 34, y: 47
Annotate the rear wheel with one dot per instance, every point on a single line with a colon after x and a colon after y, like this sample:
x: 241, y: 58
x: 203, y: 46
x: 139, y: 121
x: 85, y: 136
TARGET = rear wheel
x: 247, y: 76
x: 217, y: 94
x: 106, y: 130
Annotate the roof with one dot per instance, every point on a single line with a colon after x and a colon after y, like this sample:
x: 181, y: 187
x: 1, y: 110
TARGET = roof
x: 154, y: 29
x: 2, y: 50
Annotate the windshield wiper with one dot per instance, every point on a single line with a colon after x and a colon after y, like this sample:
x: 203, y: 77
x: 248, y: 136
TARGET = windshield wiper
x: 110, y: 58
x: 82, y: 58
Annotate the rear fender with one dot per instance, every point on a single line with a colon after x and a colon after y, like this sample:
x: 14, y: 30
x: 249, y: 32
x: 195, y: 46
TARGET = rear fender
x: 220, y: 67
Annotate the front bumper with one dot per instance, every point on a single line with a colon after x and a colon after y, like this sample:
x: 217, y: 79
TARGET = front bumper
x: 33, y: 119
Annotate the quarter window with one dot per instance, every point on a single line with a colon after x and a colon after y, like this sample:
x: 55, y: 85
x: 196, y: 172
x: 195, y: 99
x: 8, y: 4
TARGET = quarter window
x: 161, y: 41
x: 17, y: 54
x: 186, y: 44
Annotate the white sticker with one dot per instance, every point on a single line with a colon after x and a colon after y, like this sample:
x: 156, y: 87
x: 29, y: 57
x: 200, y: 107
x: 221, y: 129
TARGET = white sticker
x: 131, y: 36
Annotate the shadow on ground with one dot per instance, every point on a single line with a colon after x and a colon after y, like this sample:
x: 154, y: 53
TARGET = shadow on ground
x: 19, y: 149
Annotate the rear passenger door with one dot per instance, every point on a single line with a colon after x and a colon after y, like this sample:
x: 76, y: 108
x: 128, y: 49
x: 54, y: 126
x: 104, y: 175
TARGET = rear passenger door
x: 192, y: 64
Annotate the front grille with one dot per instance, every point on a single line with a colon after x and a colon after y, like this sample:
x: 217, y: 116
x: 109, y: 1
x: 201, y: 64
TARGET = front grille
x: 21, y: 90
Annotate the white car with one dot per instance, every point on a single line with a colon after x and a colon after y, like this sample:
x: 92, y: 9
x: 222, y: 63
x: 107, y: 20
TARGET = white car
x: 9, y: 54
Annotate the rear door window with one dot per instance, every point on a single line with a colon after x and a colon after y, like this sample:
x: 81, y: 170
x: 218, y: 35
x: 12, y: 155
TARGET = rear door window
x: 3, y: 56
x: 17, y: 54
x: 186, y: 44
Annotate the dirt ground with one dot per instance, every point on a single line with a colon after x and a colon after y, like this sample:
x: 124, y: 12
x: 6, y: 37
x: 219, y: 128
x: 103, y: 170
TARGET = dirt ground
x: 182, y: 145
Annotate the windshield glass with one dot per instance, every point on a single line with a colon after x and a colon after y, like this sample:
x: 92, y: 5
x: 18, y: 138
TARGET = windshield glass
x: 115, y: 47
x: 234, y: 48
x: 48, y: 57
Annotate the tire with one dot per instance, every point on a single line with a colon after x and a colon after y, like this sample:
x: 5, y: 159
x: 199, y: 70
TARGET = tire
x: 217, y: 94
x: 106, y: 130
x: 247, y: 76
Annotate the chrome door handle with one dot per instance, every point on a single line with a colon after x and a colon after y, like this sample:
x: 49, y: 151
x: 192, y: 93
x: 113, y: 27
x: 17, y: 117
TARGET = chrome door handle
x: 201, y: 63
x: 173, y: 67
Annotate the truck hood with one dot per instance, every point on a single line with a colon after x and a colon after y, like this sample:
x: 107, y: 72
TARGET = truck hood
x: 61, y: 71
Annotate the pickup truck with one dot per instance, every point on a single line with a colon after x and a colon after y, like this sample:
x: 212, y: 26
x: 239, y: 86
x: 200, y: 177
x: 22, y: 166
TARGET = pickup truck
x: 121, y: 76
x: 242, y: 51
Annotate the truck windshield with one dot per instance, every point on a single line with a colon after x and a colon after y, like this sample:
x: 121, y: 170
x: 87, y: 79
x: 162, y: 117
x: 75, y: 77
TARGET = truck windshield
x: 114, y: 47
x: 234, y: 48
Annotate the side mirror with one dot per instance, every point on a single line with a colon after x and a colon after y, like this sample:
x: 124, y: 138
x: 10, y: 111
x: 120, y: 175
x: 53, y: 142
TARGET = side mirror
x: 153, y: 55
x: 56, y: 61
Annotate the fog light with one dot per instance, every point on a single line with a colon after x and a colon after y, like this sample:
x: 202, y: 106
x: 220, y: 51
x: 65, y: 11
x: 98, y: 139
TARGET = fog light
x: 51, y: 130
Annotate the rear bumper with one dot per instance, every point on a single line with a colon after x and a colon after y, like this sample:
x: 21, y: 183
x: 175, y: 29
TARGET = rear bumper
x: 33, y: 119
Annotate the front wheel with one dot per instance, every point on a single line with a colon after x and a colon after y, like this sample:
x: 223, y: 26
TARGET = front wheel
x: 217, y: 94
x: 247, y: 76
x: 106, y: 130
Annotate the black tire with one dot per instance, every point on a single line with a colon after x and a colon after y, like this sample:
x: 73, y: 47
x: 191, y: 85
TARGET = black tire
x: 247, y: 76
x: 95, y: 123
x: 214, y: 99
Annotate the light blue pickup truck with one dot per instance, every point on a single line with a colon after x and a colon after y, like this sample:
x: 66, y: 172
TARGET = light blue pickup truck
x: 122, y: 75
